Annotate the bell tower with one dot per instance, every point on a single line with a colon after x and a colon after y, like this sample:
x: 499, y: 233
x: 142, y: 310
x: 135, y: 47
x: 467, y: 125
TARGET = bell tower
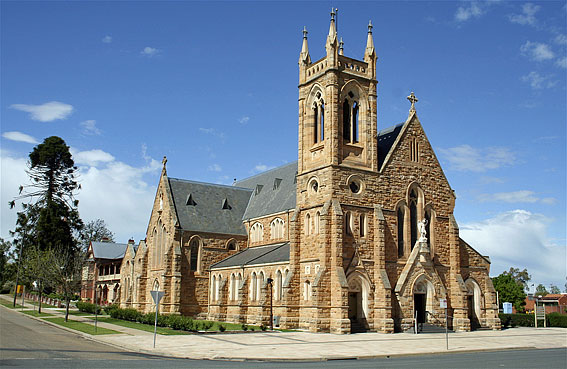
x: 337, y: 107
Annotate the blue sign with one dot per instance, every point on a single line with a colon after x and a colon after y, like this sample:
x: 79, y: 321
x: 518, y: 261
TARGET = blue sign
x: 507, y: 307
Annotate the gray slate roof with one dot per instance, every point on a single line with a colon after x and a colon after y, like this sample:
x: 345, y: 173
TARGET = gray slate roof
x: 269, y: 199
x: 109, y: 250
x: 386, y: 139
x: 208, y: 215
x: 275, y: 253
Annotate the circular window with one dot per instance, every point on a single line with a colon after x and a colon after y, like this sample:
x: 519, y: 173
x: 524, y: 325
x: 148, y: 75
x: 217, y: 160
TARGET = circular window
x: 314, y: 186
x: 355, y: 185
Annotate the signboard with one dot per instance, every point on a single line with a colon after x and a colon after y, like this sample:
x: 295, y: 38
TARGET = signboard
x: 157, y: 295
x: 443, y: 303
x: 540, y: 312
x: 507, y: 307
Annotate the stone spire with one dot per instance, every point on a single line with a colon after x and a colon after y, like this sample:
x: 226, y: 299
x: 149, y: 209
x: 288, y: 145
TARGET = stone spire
x: 341, y: 49
x: 332, y: 28
x: 332, y: 45
x: 369, y: 43
x: 304, y: 55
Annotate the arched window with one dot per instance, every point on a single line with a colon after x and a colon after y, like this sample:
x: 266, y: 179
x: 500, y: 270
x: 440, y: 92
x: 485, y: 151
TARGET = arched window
x: 413, y: 217
x: 348, y: 223
x: 307, y: 291
x: 195, y: 249
x: 318, y: 118
x: 253, y: 284
x: 430, y: 229
x: 307, y: 224
x: 400, y: 214
x: 350, y: 119
x: 315, y: 123
x: 355, y: 122
x: 213, y: 287
x: 231, y: 287
x: 155, y: 248
x: 279, y: 285
x: 217, y: 288
x: 277, y: 228
x: 237, y: 286
x: 231, y: 245
x: 257, y: 232
x: 322, y: 121
x: 346, y: 121
x: 259, y: 285
x: 362, y: 225
x: 317, y: 222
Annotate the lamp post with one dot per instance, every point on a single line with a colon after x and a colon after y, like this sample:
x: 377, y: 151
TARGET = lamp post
x: 271, y: 283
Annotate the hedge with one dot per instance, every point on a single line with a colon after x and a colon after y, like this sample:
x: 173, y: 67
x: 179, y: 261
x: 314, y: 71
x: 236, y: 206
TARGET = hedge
x: 88, y: 307
x: 177, y: 322
x: 527, y: 320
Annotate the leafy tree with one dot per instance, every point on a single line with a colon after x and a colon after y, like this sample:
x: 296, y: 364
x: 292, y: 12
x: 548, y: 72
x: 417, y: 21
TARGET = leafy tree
x: 94, y: 231
x: 510, y: 291
x: 541, y: 290
x: 522, y: 277
x: 554, y: 289
x: 7, y: 267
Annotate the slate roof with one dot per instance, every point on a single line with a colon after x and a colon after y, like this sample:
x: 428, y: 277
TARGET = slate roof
x: 275, y: 253
x: 386, y: 139
x: 270, y: 198
x: 207, y: 213
x: 108, y: 250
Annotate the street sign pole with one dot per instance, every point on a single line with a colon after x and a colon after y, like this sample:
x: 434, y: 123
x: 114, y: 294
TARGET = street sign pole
x: 156, y: 295
x: 443, y: 305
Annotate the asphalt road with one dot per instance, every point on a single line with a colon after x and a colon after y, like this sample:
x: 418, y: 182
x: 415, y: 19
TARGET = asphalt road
x: 28, y: 343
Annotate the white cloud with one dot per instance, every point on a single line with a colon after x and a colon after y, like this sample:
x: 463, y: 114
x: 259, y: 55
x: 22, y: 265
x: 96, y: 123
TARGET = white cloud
x: 113, y: 191
x: 528, y: 15
x: 214, y: 168
x: 243, y: 120
x: 19, y: 137
x: 47, y: 112
x: 107, y: 39
x: 560, y: 39
x: 91, y: 157
x: 537, y: 51
x: 518, y: 238
x: 523, y: 196
x: 467, y: 158
x: 561, y: 62
x: 261, y: 168
x: 213, y: 132
x: 473, y: 10
x: 149, y: 51
x: 537, y: 81
x: 90, y: 128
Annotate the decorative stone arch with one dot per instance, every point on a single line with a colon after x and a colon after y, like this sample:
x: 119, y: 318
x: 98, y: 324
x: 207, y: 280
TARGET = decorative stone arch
x: 231, y: 244
x: 359, y: 288
x: 431, y: 216
x: 195, y: 250
x: 257, y: 232
x: 402, y: 236
x: 422, y: 285
x: 353, y: 105
x: 315, y: 114
x: 475, y: 302
x: 313, y: 185
x: 277, y: 227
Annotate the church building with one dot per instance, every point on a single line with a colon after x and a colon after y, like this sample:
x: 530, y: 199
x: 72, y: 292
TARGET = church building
x: 358, y: 234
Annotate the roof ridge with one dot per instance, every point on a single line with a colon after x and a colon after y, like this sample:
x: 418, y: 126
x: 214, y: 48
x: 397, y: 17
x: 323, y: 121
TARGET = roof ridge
x: 209, y: 183
x: 269, y: 251
x: 267, y: 171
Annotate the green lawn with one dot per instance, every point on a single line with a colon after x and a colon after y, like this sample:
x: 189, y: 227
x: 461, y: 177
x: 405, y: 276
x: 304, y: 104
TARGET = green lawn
x: 8, y: 304
x: 140, y: 326
x: 76, y: 312
x: 35, y: 313
x: 83, y: 327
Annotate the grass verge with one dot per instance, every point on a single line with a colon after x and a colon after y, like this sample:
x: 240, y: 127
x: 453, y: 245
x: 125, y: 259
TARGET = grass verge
x: 35, y: 313
x: 140, y: 326
x: 76, y: 312
x: 82, y: 327
x: 8, y: 304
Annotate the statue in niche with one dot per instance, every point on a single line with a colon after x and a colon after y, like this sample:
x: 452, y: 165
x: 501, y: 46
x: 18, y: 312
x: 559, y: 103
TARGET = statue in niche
x: 421, y: 226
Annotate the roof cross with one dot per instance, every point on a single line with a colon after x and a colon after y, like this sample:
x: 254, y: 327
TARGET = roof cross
x: 412, y: 99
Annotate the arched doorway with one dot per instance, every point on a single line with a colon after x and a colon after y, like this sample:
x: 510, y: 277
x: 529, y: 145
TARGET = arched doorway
x: 358, y: 288
x: 423, y: 297
x: 473, y: 303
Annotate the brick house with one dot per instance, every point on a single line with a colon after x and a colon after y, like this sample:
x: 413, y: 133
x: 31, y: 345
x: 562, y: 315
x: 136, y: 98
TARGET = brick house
x: 553, y: 302
x: 357, y: 234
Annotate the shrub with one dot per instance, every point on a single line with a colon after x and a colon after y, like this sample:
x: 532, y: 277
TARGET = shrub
x: 527, y: 320
x: 263, y: 327
x: 107, y: 309
x: 87, y: 307
x: 557, y: 320
x: 207, y: 325
x: 222, y: 328
x: 180, y: 322
x: 125, y: 314
x: 244, y: 327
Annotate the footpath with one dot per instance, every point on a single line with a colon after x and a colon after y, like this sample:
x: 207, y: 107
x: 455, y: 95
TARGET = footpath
x: 304, y: 346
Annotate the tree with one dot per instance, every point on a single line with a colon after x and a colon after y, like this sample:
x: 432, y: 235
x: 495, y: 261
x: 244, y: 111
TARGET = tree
x: 7, y: 267
x: 510, y: 291
x: 94, y: 231
x: 522, y: 277
x: 50, y: 219
x: 554, y: 289
x: 541, y: 290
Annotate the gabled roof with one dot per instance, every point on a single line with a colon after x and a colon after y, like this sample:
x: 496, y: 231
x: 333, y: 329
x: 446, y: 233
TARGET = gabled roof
x: 108, y: 250
x: 386, y: 139
x: 274, y: 191
x: 212, y: 208
x: 275, y: 253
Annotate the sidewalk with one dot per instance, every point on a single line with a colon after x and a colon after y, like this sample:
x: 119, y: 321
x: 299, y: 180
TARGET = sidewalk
x: 300, y: 346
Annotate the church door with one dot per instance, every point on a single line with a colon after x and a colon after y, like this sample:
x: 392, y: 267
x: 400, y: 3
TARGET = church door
x: 419, y: 306
x: 475, y: 324
x: 353, y: 305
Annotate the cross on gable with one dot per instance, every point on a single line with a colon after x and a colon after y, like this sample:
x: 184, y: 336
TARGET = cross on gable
x: 412, y: 99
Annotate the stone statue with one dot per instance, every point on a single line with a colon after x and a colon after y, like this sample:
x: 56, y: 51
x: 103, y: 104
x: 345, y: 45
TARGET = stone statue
x: 422, y: 230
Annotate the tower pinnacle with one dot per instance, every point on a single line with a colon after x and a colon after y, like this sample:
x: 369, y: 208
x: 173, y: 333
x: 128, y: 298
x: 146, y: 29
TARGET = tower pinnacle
x: 369, y: 42
x: 304, y: 55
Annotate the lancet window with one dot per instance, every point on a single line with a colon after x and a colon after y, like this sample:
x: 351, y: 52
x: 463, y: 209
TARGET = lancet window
x: 351, y: 119
x: 318, y: 118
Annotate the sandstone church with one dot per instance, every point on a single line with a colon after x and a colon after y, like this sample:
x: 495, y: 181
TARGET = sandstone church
x: 357, y: 234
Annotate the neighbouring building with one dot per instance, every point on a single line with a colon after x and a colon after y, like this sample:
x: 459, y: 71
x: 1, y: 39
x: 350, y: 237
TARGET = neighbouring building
x: 553, y: 302
x: 101, y: 272
x: 357, y: 234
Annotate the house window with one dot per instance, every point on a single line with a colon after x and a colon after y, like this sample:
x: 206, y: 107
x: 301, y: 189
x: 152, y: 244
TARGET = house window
x: 237, y: 286
x: 194, y: 247
x: 259, y: 285
x: 277, y: 228
x: 307, y: 224
x: 400, y: 215
x: 231, y: 245
x: 279, y: 285
x: 213, y: 288
x: 257, y: 232
x: 253, y: 284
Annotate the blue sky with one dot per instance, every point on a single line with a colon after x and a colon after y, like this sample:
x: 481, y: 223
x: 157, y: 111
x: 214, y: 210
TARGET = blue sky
x: 213, y: 85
